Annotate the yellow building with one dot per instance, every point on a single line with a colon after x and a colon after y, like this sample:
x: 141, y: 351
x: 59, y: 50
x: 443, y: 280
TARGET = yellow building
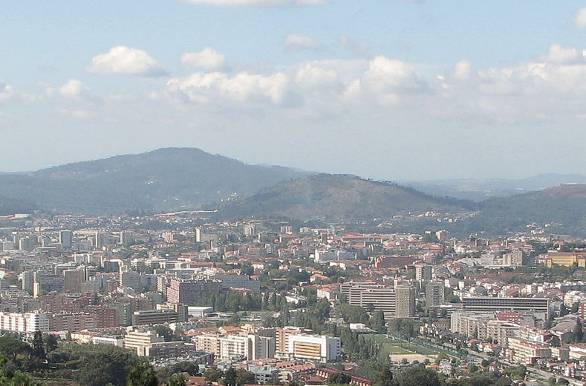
x: 564, y: 259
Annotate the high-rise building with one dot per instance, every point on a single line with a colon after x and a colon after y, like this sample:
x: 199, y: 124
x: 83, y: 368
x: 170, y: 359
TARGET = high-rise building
x: 27, y: 281
x: 405, y: 301
x: 197, y: 235
x: 423, y: 272
x: 73, y: 279
x: 396, y: 302
x: 66, y: 239
x: 190, y: 291
x: 282, y: 338
x: 434, y: 294
x: 371, y: 295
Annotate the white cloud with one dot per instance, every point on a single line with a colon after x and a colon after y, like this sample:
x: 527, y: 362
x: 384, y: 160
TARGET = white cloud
x: 6, y: 92
x: 462, y: 70
x: 241, y: 87
x: 581, y: 18
x: 127, y: 61
x: 301, y: 42
x: 73, y: 88
x: 256, y: 2
x: 208, y: 59
x: 386, y: 74
x: 559, y: 54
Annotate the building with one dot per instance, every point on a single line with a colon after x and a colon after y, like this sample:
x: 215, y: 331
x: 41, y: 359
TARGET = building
x: 66, y: 239
x: 190, y: 291
x: 282, y: 338
x: 139, y: 341
x: 513, y: 259
x: 423, y: 272
x: 73, y: 279
x: 380, y: 297
x: 27, y: 281
x: 564, y: 259
x: 26, y: 323
x: 208, y: 343
x: 434, y: 294
x: 235, y: 347
x: 152, y: 317
x: 318, y: 348
x: 493, y: 304
x: 522, y: 351
x: 405, y: 301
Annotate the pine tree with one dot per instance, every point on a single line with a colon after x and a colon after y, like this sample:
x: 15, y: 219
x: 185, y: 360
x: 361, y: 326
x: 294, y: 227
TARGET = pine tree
x: 39, y: 346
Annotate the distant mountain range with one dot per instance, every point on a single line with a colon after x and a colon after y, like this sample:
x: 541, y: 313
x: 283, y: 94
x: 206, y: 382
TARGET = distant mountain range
x: 184, y: 178
x: 164, y: 179
x: 482, y: 189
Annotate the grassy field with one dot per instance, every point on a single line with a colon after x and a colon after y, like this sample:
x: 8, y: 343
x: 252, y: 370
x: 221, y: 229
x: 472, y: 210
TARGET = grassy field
x: 395, y: 346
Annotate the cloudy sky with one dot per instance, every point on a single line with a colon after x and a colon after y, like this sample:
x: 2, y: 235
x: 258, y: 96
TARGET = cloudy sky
x: 393, y: 89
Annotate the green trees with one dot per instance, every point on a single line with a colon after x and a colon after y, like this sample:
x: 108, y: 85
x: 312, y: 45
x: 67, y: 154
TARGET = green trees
x: 11, y: 377
x: 142, y: 374
x: 105, y: 364
x: 385, y: 377
x: 403, y: 328
x: 51, y: 343
x: 38, y: 350
x: 176, y: 380
x: 340, y: 379
x: 244, y: 377
x: 417, y: 376
x: 230, y: 377
x: 377, y: 322
x: 352, y: 314
x: 212, y: 374
x: 165, y: 332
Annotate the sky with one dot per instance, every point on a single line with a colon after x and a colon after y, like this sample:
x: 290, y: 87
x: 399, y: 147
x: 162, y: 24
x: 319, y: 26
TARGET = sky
x: 387, y: 89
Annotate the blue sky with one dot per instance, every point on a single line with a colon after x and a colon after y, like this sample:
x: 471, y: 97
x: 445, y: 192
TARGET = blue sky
x: 385, y: 89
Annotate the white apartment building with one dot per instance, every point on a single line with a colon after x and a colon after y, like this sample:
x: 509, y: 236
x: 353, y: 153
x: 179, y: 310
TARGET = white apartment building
x: 26, y: 323
x: 314, y: 347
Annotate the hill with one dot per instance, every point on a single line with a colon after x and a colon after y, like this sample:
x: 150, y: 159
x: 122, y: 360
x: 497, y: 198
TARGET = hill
x: 562, y: 207
x: 164, y: 179
x: 331, y: 197
x: 13, y: 205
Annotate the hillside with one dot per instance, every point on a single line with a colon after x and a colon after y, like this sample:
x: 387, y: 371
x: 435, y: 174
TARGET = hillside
x: 13, y: 205
x: 562, y: 207
x: 164, y: 179
x: 326, y: 196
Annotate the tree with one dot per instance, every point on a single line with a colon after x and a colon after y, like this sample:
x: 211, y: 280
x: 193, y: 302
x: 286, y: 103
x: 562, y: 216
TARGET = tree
x: 105, y: 364
x: 417, y: 376
x: 244, y: 377
x: 38, y: 350
x: 165, y: 332
x: 340, y: 379
x: 385, y: 377
x: 212, y: 374
x: 377, y: 322
x: 177, y: 380
x: 230, y: 377
x: 51, y: 343
x: 142, y: 374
